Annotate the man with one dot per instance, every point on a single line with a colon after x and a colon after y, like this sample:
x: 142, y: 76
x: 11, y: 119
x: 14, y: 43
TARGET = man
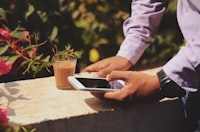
x: 182, y: 72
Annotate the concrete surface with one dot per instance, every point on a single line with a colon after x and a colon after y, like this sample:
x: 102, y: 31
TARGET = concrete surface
x: 38, y: 100
x: 39, y: 103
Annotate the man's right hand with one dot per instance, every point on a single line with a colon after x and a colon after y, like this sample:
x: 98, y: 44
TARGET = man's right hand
x: 105, y: 66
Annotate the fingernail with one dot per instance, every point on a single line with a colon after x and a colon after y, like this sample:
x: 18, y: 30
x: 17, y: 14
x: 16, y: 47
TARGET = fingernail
x: 107, y: 77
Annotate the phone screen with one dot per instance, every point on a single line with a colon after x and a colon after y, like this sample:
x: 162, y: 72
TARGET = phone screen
x: 99, y: 83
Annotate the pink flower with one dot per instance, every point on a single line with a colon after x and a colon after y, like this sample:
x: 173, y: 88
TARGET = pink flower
x: 3, y: 116
x: 26, y: 33
x: 5, y: 67
x: 4, y: 34
x: 6, y: 37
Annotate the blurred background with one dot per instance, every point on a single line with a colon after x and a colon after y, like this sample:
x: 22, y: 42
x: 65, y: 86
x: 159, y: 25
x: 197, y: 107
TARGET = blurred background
x: 91, y: 27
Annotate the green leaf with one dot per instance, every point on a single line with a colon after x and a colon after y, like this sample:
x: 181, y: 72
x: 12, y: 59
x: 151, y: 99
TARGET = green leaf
x: 54, y: 33
x: 75, y: 14
x: 29, y: 66
x: 29, y: 47
x: 31, y: 9
x: 24, y: 63
x: 11, y: 58
x: 33, y: 130
x: 43, y: 16
x: 3, y: 48
x: 24, y: 129
x: 39, y: 57
x: 34, y: 67
x: 38, y: 68
x: 46, y: 59
x: 100, y: 42
x: 30, y: 53
x: 3, y: 14
x: 18, y: 34
x: 36, y: 72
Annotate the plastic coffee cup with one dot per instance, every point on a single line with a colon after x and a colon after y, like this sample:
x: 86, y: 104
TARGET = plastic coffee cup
x: 64, y: 65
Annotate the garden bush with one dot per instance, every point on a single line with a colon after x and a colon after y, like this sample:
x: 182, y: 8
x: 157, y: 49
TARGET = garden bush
x: 92, y: 27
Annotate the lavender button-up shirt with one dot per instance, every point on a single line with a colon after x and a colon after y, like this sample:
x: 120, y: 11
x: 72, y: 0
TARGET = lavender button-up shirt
x: 141, y: 27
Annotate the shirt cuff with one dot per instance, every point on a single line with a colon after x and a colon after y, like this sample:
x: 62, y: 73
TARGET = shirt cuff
x: 132, y: 49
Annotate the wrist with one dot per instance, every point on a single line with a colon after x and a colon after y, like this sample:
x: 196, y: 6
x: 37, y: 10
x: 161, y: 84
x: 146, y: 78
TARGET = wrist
x: 168, y: 87
x: 156, y: 83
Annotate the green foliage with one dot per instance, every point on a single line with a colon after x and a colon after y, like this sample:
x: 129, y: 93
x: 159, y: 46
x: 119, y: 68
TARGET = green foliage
x: 27, y: 128
x: 17, y: 46
x: 69, y: 50
x: 87, y: 25
x: 3, y: 48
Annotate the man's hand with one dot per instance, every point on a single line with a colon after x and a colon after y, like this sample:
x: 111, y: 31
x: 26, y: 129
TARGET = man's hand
x: 107, y: 65
x: 137, y: 84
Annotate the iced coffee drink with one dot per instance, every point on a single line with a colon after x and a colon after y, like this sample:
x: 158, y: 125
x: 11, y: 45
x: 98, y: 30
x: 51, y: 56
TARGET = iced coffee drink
x: 64, y: 65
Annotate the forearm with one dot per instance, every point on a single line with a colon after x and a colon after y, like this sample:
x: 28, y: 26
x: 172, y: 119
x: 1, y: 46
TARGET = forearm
x: 141, y: 27
x: 184, y: 68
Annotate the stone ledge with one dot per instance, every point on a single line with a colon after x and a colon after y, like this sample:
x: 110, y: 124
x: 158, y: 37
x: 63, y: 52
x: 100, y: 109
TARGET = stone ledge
x: 38, y: 100
x: 39, y: 103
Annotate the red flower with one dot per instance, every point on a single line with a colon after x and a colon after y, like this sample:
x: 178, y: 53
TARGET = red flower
x: 5, y: 33
x: 6, y: 37
x: 5, y: 67
x: 3, y: 116
x: 26, y: 33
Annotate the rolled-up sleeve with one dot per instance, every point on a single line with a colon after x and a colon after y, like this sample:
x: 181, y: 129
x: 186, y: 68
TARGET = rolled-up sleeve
x: 184, y: 68
x: 140, y: 28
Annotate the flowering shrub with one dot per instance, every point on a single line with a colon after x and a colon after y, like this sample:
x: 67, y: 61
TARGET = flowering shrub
x: 3, y: 116
x: 16, y: 47
x: 20, y: 48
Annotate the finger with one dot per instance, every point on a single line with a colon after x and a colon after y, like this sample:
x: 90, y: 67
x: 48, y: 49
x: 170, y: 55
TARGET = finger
x: 117, y: 95
x: 91, y: 68
x: 98, y: 95
x: 104, y: 72
x: 95, y: 67
x: 118, y: 75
